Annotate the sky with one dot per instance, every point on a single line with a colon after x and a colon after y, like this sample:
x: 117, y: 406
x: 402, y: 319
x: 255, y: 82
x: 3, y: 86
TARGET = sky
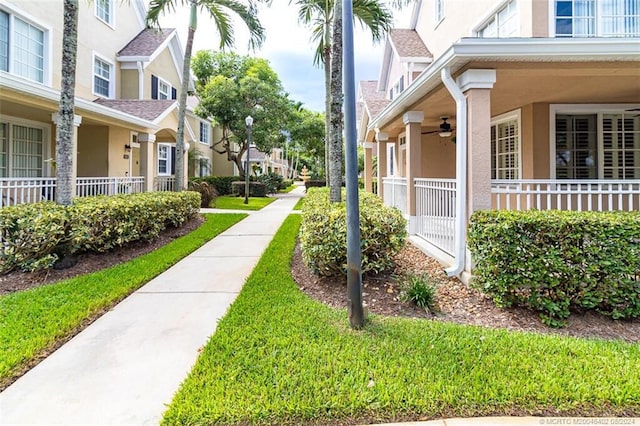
x: 288, y: 48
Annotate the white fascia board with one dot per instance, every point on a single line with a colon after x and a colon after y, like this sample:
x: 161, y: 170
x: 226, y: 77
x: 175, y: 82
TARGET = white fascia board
x: 129, y: 66
x: 416, y: 59
x: 508, y: 50
x: 385, y: 69
x: 141, y: 12
x: 177, y: 54
x: 18, y: 84
x: 166, y: 112
x: 133, y: 58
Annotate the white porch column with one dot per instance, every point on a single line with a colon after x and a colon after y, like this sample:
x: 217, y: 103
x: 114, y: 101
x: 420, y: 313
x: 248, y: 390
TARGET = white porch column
x: 147, y: 165
x: 476, y: 84
x: 382, y: 139
x: 368, y: 166
x: 77, y: 120
x: 413, y: 122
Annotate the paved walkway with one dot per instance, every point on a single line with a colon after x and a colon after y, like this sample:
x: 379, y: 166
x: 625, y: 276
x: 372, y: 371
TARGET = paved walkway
x: 125, y: 367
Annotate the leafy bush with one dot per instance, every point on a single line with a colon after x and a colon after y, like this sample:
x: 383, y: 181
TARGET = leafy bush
x: 286, y: 183
x: 207, y: 192
x: 256, y: 189
x: 34, y: 236
x: 556, y: 261
x: 418, y: 289
x: 272, y: 182
x: 314, y: 183
x: 323, y: 233
x: 222, y: 184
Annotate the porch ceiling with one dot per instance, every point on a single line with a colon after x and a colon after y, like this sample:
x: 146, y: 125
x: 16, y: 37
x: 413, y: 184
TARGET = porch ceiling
x: 523, y: 83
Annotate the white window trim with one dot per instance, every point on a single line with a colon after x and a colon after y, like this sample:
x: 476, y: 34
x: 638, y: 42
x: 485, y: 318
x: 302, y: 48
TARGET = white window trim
x: 112, y: 75
x: 439, y: 19
x: 200, y: 158
x: 510, y: 116
x: 46, y: 29
x: 597, y: 109
x: 493, y: 13
x: 168, y: 145
x: 392, y: 167
x: 597, y: 19
x: 47, y: 169
x: 169, y: 87
x: 112, y: 7
x: 207, y: 142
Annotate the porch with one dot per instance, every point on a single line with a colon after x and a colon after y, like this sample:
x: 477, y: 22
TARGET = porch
x: 436, y: 201
x: 14, y: 191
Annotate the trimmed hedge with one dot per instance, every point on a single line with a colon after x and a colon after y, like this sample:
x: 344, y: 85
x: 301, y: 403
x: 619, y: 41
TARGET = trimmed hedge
x: 256, y: 189
x: 272, y: 181
x: 311, y: 183
x: 222, y: 184
x: 323, y: 233
x: 558, y: 261
x: 35, y: 236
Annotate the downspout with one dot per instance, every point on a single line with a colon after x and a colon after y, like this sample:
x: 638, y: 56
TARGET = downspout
x: 461, y: 172
x: 140, y: 80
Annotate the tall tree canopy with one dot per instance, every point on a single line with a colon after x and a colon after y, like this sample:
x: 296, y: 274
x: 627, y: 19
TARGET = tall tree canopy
x: 232, y: 87
x: 218, y: 11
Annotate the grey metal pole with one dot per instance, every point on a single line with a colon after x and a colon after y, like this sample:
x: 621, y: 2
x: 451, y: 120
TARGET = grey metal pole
x: 354, y: 255
x: 246, y: 167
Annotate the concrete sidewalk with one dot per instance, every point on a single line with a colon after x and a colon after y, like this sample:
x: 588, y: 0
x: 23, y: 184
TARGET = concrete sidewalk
x: 126, y: 366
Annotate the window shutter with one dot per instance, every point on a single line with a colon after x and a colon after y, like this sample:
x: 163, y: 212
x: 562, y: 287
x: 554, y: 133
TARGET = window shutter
x: 154, y: 87
x: 173, y: 160
x: 174, y: 93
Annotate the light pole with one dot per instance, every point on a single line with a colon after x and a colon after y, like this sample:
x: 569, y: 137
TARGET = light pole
x: 249, y: 122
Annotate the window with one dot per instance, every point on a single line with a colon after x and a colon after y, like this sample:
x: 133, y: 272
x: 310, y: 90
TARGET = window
x: 505, y: 150
x: 163, y: 89
x: 592, y: 18
x: 597, y: 146
x: 21, y: 150
x: 102, y: 71
x: 204, y: 132
x: 160, y: 89
x: 22, y: 48
x: 503, y: 24
x: 391, y: 150
x: 104, y: 10
x: 166, y: 159
x: 439, y: 12
x: 204, y: 168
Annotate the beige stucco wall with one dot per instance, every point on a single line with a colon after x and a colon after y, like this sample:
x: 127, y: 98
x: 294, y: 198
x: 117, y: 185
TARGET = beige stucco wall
x: 94, y: 35
x: 534, y: 141
x: 118, y: 138
x: 164, y: 67
x: 93, y: 150
x: 129, y: 84
x: 438, y: 157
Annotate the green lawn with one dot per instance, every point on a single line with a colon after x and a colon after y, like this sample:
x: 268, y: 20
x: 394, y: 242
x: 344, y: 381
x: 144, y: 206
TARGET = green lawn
x: 289, y: 188
x: 279, y: 357
x: 33, y: 321
x: 299, y: 204
x: 231, y: 202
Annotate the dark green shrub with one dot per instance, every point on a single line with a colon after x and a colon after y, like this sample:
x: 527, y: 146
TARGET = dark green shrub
x: 207, y: 191
x: 419, y: 290
x: 222, y: 184
x: 272, y: 182
x: 286, y: 183
x: 256, y: 189
x: 314, y: 183
x: 323, y: 233
x: 34, y: 236
x: 558, y: 261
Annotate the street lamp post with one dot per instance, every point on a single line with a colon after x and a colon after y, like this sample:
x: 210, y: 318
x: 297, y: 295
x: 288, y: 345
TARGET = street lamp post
x: 249, y: 122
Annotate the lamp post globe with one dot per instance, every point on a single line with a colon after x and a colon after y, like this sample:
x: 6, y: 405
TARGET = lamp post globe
x: 249, y: 122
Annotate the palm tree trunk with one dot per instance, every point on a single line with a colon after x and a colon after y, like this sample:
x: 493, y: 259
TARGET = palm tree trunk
x: 182, y: 103
x: 65, y: 130
x: 335, y: 149
x: 327, y: 108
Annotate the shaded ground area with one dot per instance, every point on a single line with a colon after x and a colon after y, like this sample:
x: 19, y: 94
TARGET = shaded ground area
x: 456, y: 302
x: 90, y: 262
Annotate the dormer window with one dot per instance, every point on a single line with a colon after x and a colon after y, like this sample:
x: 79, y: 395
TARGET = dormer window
x: 104, y: 11
x: 503, y: 24
x: 161, y: 89
x: 397, y: 88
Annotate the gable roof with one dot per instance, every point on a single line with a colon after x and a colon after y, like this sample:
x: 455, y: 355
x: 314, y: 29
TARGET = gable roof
x: 408, y: 44
x: 373, y: 100
x: 146, y: 43
x: 151, y: 109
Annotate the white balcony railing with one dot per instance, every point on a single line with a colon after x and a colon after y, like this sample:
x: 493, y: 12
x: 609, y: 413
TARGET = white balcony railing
x: 578, y: 195
x: 436, y: 212
x: 395, y: 193
x: 164, y: 183
x: 31, y: 190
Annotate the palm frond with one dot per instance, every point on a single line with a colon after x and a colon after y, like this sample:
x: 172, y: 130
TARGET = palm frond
x: 248, y: 15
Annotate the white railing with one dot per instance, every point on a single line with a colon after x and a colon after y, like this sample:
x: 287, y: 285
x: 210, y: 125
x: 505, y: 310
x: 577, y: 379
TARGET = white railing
x: 91, y: 186
x: 164, y: 183
x: 436, y: 212
x: 578, y: 195
x: 395, y: 193
x: 31, y: 190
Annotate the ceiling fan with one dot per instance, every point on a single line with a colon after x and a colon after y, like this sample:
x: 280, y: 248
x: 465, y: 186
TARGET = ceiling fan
x: 445, y: 129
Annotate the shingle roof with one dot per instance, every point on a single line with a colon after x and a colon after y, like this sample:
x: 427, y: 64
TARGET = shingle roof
x: 145, y: 109
x: 374, y: 100
x: 408, y: 44
x: 146, y: 42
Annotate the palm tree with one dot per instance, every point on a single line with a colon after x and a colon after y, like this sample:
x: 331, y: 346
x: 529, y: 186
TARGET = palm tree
x: 319, y: 15
x: 64, y: 129
x: 218, y: 11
